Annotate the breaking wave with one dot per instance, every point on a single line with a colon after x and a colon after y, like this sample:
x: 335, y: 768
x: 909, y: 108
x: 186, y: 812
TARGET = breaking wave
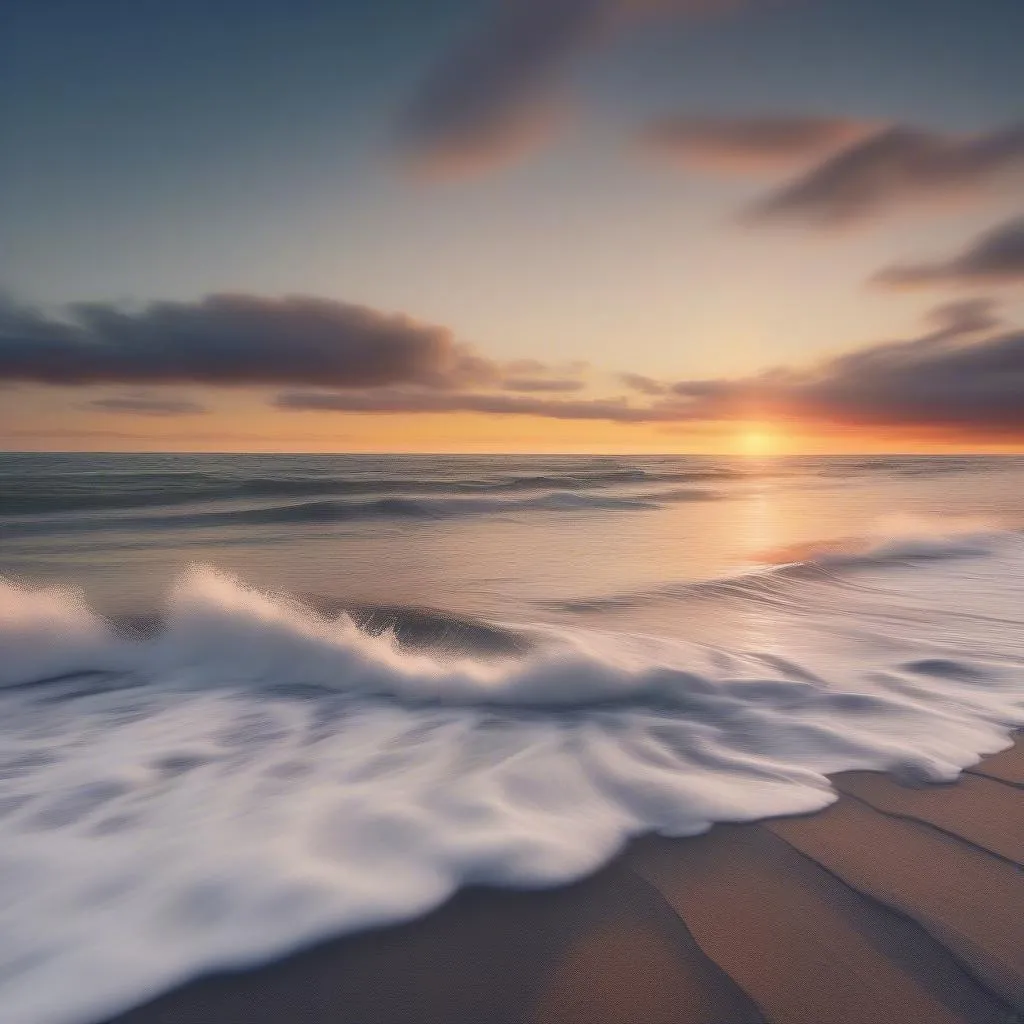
x: 255, y: 774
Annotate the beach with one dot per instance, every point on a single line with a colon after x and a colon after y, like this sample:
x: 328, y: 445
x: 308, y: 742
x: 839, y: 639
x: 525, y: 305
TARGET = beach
x: 895, y: 904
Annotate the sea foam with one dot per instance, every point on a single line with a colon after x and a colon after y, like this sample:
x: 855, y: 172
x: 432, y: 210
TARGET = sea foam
x: 255, y: 776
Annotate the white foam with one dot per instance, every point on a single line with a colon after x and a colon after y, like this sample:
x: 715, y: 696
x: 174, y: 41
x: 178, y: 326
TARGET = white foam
x: 206, y: 817
x: 48, y: 632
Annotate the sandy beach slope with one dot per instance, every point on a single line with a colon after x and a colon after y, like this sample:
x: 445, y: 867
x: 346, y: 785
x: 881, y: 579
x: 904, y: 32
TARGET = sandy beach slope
x: 896, y: 905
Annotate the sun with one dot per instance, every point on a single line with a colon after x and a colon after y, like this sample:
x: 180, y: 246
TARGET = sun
x: 756, y: 442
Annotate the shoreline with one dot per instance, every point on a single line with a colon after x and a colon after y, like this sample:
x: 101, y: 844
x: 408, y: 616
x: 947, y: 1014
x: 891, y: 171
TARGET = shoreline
x: 895, y: 904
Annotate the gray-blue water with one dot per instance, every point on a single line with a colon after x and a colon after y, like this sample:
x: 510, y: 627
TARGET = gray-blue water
x: 483, y: 535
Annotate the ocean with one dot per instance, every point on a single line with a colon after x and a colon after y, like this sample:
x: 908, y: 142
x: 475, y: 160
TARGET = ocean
x: 251, y: 701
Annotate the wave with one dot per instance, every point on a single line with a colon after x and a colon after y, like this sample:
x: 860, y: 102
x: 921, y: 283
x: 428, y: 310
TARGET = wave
x: 913, y: 465
x: 908, y: 547
x: 589, y: 480
x: 44, y: 494
x: 40, y: 487
x: 257, y: 773
x: 326, y: 511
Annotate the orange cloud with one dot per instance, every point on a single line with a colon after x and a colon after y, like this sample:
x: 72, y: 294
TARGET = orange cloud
x: 755, y: 145
x: 495, y: 96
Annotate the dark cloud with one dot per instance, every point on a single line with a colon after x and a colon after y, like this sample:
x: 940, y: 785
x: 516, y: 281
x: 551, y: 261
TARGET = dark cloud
x: 491, y: 97
x: 997, y: 257
x: 894, y: 165
x: 148, y: 405
x: 749, y: 145
x: 542, y: 384
x: 495, y: 95
x: 963, y: 374
x: 948, y: 379
x: 964, y: 316
x: 234, y: 339
x: 398, y: 401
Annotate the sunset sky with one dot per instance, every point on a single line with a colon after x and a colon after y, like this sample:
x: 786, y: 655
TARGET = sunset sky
x: 523, y: 225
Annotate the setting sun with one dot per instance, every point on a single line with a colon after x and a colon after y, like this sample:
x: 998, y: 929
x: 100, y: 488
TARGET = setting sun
x: 757, y: 442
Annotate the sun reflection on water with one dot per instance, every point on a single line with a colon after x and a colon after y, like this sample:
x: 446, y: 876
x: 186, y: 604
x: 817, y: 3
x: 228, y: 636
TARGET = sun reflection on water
x: 762, y: 526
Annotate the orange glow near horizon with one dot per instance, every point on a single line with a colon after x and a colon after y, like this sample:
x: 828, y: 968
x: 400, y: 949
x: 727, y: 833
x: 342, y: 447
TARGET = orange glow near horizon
x: 758, y: 442
x: 253, y: 430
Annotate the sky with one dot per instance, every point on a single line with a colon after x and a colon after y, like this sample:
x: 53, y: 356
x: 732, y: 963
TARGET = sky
x: 512, y: 225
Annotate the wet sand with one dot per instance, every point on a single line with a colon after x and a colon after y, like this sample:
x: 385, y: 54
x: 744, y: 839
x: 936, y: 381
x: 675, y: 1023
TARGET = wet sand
x: 896, y: 905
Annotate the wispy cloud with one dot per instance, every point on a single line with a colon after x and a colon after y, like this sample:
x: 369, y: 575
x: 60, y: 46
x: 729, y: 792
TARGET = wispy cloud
x: 497, y: 94
x: 894, y: 166
x: 757, y: 144
x: 542, y: 384
x: 996, y: 258
x: 406, y: 401
x: 147, y: 405
x: 644, y: 385
x: 490, y: 98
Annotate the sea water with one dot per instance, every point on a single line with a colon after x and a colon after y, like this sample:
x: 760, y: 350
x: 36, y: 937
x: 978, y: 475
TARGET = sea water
x: 248, y: 702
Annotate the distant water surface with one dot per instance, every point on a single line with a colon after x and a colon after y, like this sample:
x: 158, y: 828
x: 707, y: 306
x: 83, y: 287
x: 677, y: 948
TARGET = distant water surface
x: 479, y: 535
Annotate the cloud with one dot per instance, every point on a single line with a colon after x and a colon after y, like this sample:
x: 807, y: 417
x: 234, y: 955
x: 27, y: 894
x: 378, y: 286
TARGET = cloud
x: 644, y: 385
x: 964, y: 371
x: 250, y: 441
x: 960, y: 376
x: 147, y: 405
x: 234, y: 339
x: 749, y: 145
x: 948, y: 379
x: 997, y: 257
x: 490, y: 98
x: 894, y: 165
x: 533, y: 376
x: 399, y: 401
x: 495, y: 96
x: 964, y: 316
x: 542, y: 384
